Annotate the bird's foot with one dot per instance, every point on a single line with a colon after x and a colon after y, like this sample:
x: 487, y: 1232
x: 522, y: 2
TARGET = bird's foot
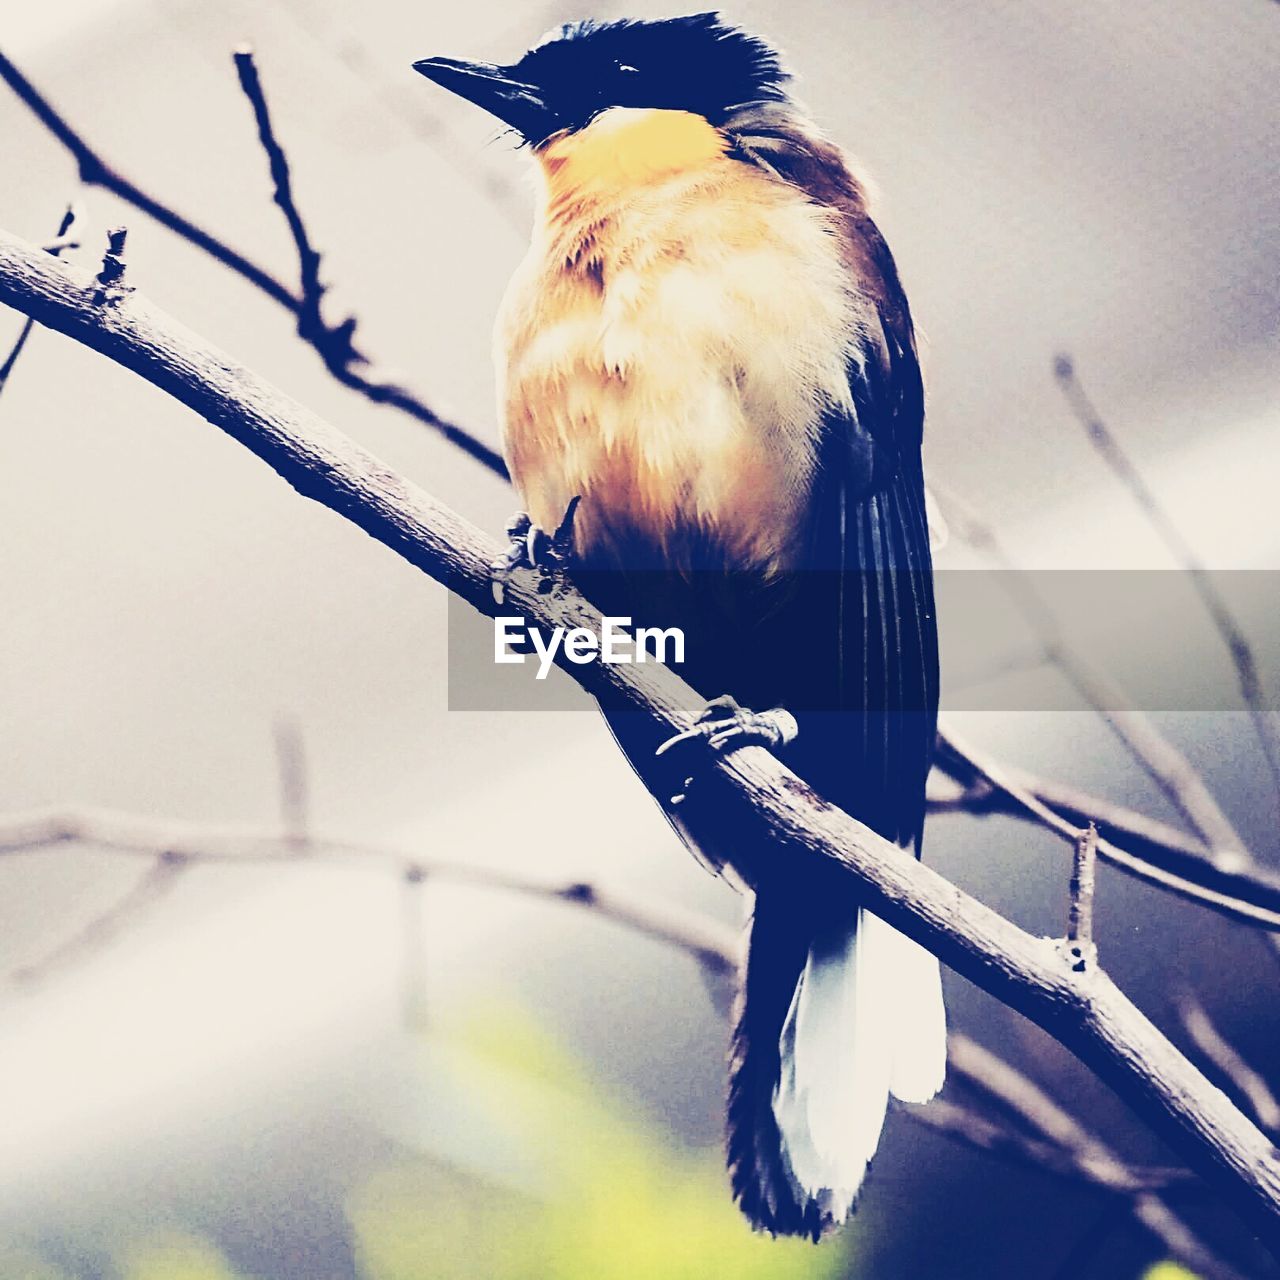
x: 531, y: 547
x: 724, y: 726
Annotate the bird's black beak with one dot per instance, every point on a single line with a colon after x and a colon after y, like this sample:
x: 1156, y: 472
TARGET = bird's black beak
x: 495, y: 89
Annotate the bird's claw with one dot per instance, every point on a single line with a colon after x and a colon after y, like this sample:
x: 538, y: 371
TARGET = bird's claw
x: 724, y: 726
x: 517, y: 554
x: 532, y: 547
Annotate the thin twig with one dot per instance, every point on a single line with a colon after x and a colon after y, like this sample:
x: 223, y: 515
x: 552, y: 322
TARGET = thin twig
x: 413, y: 949
x: 1145, y: 837
x: 97, y: 172
x: 60, y: 242
x: 361, y: 374
x: 980, y: 1132
x: 335, y: 343
x: 1080, y: 942
x: 1227, y: 883
x: 1008, y: 1087
x: 295, y: 788
x: 713, y: 945
x: 1224, y: 620
x: 158, y: 881
x: 1165, y: 764
x: 1248, y: 1083
x: 1087, y: 1013
x: 998, y: 779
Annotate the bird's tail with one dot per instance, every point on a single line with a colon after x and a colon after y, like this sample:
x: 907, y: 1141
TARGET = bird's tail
x: 829, y: 1026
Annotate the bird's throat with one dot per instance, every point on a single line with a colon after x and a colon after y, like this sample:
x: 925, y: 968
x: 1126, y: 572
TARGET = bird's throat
x: 623, y: 148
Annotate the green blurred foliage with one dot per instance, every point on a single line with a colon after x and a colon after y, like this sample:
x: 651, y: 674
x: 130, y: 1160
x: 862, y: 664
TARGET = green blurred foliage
x: 545, y: 1177
x: 1169, y: 1271
x: 615, y: 1200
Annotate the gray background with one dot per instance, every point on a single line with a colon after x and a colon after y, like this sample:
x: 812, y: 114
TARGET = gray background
x: 1093, y: 178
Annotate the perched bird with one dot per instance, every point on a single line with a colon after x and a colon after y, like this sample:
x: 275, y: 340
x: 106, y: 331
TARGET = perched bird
x: 707, y: 352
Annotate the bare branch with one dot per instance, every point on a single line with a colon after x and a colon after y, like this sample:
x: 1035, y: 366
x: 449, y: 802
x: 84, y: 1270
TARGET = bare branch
x: 1228, y: 883
x: 981, y: 1133
x: 998, y: 779
x: 1248, y: 1083
x: 1232, y: 634
x: 711, y: 944
x: 1024, y: 1098
x: 1165, y: 764
x: 96, y: 172
x: 1085, y: 1012
x: 60, y: 242
x: 155, y: 884
x: 359, y: 373
x: 1145, y: 837
x: 311, y: 324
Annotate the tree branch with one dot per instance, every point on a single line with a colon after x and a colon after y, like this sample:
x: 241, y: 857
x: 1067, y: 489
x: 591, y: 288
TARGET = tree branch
x: 153, y: 886
x: 187, y: 844
x: 1224, y: 621
x: 980, y: 1133
x: 60, y: 242
x: 1085, y: 1012
x: 335, y: 345
x: 311, y: 325
x: 1247, y: 1082
x: 1163, y: 762
x: 1229, y: 882
x: 713, y: 946
x: 1019, y: 1094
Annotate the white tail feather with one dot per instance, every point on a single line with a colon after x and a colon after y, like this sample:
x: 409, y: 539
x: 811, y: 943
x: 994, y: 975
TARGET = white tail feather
x: 866, y: 1020
x: 920, y: 1025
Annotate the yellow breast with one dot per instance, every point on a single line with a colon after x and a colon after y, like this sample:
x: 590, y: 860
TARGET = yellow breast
x: 623, y: 148
x: 670, y: 343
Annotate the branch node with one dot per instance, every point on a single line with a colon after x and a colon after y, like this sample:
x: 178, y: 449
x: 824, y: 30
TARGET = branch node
x: 110, y: 279
x: 64, y: 239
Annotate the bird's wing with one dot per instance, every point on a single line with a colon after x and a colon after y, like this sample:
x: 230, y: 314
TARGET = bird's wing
x: 871, y: 600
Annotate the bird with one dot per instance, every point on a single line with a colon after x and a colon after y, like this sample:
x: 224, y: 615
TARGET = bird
x: 709, y: 384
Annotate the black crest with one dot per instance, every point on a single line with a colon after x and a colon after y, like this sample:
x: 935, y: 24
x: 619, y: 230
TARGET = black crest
x: 695, y: 63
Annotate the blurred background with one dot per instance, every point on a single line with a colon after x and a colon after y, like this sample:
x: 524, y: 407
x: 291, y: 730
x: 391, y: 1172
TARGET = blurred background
x: 320, y: 1072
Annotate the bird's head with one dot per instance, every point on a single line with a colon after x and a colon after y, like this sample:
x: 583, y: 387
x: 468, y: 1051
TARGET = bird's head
x: 696, y: 64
